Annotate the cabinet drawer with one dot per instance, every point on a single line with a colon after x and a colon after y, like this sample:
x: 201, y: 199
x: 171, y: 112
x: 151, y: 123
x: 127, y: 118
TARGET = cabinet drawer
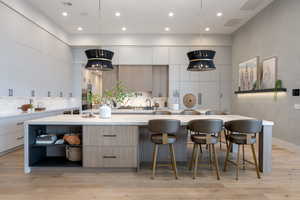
x: 109, y: 157
x: 11, y: 140
x: 110, y: 135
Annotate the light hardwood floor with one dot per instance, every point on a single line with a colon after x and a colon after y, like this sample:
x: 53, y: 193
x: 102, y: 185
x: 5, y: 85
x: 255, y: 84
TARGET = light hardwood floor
x: 282, y: 183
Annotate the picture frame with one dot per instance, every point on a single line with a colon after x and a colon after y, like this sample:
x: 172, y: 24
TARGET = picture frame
x: 248, y: 71
x: 269, y: 72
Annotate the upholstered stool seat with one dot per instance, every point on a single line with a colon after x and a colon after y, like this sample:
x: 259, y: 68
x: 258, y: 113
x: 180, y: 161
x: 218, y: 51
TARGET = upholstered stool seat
x: 158, y: 138
x: 203, y: 139
x: 242, y: 139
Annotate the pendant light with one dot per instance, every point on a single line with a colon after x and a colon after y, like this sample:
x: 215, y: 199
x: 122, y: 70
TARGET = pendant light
x: 99, y: 59
x: 201, y: 60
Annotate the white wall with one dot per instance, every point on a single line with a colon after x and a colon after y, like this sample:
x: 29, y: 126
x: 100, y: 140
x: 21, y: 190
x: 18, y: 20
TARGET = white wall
x: 274, y: 32
x: 31, y: 58
x: 171, y: 50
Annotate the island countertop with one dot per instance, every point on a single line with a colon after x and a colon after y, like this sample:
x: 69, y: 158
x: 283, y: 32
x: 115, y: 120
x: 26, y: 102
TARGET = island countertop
x: 123, y: 119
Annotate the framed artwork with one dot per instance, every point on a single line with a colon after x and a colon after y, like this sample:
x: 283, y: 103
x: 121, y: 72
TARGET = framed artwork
x: 269, y: 73
x: 248, y: 74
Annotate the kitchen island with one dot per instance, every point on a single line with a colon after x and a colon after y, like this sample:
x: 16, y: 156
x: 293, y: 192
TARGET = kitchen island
x: 121, y: 141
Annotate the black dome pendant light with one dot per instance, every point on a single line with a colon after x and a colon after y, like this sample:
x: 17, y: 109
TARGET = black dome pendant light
x: 99, y: 59
x: 201, y: 60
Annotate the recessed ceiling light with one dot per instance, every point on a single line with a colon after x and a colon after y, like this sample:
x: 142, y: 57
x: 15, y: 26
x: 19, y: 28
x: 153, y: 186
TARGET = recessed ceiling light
x: 117, y: 14
x: 167, y: 29
x: 219, y: 14
x: 207, y: 29
x: 171, y: 14
x: 79, y: 28
x: 64, y: 14
x: 124, y: 28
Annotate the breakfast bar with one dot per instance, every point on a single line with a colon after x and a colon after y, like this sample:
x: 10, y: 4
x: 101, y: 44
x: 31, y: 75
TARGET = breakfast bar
x: 120, y: 141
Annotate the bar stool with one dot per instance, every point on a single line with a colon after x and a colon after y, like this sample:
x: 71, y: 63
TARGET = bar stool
x: 162, y: 112
x: 165, y: 130
x: 217, y: 112
x: 207, y: 131
x: 242, y: 132
x: 190, y: 112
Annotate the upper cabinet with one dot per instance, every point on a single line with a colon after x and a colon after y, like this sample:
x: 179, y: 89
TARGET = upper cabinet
x: 178, y: 55
x: 135, y: 56
x: 160, y: 55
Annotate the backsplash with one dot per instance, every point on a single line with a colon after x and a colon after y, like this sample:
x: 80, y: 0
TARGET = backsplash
x: 139, y: 100
x: 11, y: 104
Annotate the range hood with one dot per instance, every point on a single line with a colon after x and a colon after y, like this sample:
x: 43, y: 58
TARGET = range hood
x: 99, y: 59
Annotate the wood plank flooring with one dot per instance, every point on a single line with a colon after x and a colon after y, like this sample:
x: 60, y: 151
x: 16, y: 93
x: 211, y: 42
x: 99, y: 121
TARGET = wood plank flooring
x: 282, y: 183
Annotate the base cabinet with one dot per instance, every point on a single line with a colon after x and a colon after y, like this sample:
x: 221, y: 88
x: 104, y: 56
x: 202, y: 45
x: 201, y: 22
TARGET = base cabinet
x: 110, y: 146
x: 109, y: 157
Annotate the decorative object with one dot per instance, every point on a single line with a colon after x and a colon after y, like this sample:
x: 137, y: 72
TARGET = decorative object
x: 117, y: 95
x: 201, y: 60
x: 278, y: 85
x: 99, y: 59
x: 189, y: 100
x: 105, y: 111
x: 248, y: 74
x: 269, y: 72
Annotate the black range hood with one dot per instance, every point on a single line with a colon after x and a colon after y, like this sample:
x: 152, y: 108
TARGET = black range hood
x: 99, y: 59
x: 201, y: 60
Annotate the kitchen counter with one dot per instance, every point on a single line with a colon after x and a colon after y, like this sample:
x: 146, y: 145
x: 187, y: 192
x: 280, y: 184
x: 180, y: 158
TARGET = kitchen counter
x: 125, y: 120
x: 21, y: 114
x: 121, y: 141
x: 141, y: 111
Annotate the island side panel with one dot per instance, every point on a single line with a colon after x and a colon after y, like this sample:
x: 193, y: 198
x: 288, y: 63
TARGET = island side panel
x: 110, y: 146
x: 265, y: 149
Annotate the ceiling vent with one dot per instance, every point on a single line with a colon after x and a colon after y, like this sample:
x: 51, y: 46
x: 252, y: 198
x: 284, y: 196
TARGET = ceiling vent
x: 233, y: 22
x: 252, y: 5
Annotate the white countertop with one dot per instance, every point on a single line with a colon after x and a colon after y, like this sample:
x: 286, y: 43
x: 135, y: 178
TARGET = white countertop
x: 21, y: 114
x: 141, y: 111
x: 135, y: 120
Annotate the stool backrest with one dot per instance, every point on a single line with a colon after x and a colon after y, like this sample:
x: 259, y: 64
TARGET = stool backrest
x: 244, y: 126
x: 162, y: 112
x: 206, y: 125
x: 190, y: 112
x: 164, y: 125
x: 215, y: 112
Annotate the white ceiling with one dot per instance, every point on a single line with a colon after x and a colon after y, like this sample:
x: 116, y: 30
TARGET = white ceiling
x: 150, y: 16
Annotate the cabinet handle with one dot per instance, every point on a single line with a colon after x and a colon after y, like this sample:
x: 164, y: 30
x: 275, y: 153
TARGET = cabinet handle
x: 109, y: 135
x: 20, y: 123
x: 109, y: 156
x: 20, y: 138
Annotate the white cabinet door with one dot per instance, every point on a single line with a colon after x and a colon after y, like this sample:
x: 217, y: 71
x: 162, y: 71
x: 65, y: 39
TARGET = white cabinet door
x: 160, y: 55
x: 178, y: 55
x: 135, y: 56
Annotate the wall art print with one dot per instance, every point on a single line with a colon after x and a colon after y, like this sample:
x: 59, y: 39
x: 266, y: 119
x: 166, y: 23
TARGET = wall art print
x: 248, y: 74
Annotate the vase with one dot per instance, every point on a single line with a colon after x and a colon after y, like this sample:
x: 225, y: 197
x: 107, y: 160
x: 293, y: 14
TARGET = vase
x: 105, y: 111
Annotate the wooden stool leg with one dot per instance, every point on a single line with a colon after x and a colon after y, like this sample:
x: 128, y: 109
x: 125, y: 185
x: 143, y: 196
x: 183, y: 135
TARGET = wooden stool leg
x: 244, y: 163
x: 200, y: 148
x: 220, y: 136
x: 216, y: 161
x: 255, y: 160
x: 227, y: 156
x: 154, y: 160
x: 193, y: 157
x: 171, y: 146
x: 209, y: 155
x: 196, y: 161
x: 238, y: 163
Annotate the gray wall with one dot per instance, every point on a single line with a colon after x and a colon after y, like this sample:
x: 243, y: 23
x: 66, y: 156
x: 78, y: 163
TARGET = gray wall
x: 273, y: 32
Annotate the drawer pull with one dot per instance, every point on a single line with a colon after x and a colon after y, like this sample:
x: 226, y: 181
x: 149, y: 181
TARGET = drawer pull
x: 20, y: 138
x: 20, y: 123
x: 109, y: 135
x: 109, y: 156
